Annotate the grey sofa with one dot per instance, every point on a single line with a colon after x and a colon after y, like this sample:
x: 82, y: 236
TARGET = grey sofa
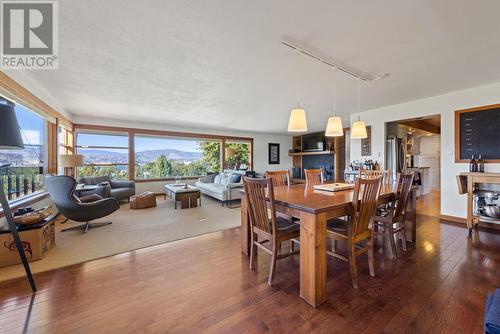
x: 84, y: 209
x: 117, y: 189
x: 222, y: 186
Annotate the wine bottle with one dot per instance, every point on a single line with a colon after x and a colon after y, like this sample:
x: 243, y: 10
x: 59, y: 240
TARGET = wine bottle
x: 480, y: 164
x: 472, y: 164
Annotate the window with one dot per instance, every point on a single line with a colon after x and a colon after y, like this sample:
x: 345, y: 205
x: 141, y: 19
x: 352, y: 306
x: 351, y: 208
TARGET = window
x: 64, y: 143
x: 104, y: 154
x: 164, y: 157
x: 238, y: 155
x: 24, y: 176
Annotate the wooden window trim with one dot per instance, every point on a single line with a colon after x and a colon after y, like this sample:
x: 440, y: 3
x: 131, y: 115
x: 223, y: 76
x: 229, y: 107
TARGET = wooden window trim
x: 132, y: 132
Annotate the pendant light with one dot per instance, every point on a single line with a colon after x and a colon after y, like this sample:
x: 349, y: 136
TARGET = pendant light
x: 334, y: 125
x: 358, y: 130
x: 297, y: 121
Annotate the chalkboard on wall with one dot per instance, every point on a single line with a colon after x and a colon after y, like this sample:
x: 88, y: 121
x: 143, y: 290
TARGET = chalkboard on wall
x: 477, y: 131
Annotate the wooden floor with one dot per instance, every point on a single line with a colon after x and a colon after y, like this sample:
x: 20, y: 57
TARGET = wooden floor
x: 204, y: 285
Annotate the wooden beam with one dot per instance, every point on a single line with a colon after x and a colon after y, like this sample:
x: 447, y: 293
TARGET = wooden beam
x: 423, y: 125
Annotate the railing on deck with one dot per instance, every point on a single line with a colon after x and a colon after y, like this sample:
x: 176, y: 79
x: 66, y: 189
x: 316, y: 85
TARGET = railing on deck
x: 21, y: 181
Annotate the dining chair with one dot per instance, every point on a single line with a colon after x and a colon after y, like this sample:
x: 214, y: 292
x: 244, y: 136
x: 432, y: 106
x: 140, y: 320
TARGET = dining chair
x: 357, y: 231
x: 391, y: 223
x: 279, y: 177
x: 267, y: 230
x: 314, y: 176
x: 385, y: 174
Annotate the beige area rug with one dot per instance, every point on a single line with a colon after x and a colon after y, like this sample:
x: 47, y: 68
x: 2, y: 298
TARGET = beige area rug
x: 131, y: 229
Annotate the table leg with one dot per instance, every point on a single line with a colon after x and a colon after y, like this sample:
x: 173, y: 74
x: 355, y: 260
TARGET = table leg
x: 313, y: 258
x: 411, y: 215
x: 245, y: 228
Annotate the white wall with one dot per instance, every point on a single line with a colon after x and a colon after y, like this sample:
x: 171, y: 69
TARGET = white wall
x: 260, y: 153
x: 452, y: 203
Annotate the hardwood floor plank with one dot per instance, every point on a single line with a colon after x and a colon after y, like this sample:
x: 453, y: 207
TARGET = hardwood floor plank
x: 203, y: 285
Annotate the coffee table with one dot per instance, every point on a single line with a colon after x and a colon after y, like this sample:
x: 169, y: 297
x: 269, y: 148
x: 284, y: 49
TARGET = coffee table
x: 186, y: 194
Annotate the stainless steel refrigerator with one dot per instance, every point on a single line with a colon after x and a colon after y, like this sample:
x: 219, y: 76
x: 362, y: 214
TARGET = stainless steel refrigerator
x: 395, y: 155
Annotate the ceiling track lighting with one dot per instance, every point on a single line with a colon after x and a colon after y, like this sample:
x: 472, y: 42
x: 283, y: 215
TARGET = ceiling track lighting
x: 344, y: 69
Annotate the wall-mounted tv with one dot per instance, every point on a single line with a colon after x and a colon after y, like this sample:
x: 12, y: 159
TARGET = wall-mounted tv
x: 313, y: 142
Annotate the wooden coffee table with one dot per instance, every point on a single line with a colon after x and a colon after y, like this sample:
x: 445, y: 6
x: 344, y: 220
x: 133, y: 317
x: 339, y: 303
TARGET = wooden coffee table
x: 187, y: 195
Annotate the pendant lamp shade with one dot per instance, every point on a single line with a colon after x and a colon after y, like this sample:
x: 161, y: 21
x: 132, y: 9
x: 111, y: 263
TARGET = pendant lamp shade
x: 10, y: 135
x: 359, y: 130
x: 334, y: 127
x: 297, y: 121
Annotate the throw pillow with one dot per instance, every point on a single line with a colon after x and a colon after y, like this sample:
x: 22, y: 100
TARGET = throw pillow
x: 217, y: 178
x: 210, y: 178
x: 236, y: 178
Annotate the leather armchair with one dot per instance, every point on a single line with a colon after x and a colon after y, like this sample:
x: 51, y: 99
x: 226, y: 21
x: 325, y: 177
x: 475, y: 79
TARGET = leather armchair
x: 85, y: 209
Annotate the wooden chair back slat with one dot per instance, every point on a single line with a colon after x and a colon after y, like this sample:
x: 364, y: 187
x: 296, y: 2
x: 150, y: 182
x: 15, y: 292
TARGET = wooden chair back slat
x: 404, y: 183
x: 255, y: 190
x: 314, y: 176
x: 279, y: 177
x: 385, y: 174
x: 365, y: 197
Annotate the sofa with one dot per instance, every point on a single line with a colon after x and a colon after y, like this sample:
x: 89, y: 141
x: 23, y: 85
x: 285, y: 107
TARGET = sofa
x: 222, y: 186
x: 119, y: 190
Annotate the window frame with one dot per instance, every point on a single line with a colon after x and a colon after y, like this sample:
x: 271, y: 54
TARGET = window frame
x: 45, y: 149
x: 103, y: 133
x: 132, y: 132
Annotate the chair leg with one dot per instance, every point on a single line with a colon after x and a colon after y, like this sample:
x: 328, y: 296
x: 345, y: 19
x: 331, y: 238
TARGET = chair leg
x: 352, y: 265
x: 292, y: 245
x: 390, y: 235
x: 272, y: 267
x: 371, y: 264
x: 380, y: 238
x: 85, y: 227
x: 403, y: 236
x: 334, y: 245
x: 252, y: 250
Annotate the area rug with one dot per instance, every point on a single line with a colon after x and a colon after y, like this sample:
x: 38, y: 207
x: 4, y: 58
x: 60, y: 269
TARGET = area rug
x: 131, y: 230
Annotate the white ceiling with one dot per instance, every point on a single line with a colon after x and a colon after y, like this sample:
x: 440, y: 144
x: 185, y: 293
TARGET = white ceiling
x: 220, y: 64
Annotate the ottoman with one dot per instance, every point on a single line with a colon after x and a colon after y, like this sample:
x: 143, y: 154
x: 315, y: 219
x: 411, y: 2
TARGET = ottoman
x: 145, y: 200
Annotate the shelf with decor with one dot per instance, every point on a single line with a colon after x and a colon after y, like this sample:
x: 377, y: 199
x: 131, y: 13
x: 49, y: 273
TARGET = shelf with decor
x: 315, y: 150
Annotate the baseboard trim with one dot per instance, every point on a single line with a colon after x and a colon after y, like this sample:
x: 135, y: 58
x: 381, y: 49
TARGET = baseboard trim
x: 453, y: 219
x: 463, y: 221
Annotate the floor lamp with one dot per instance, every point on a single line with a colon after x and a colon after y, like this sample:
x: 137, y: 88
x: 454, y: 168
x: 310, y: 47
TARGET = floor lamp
x: 10, y: 139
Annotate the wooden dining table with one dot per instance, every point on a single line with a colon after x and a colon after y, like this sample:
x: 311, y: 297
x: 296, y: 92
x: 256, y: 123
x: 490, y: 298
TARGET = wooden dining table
x: 314, y: 208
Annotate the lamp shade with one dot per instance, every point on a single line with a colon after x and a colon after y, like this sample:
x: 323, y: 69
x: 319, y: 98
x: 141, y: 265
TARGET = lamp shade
x: 334, y: 127
x: 358, y: 130
x: 70, y: 160
x: 10, y: 135
x: 297, y: 121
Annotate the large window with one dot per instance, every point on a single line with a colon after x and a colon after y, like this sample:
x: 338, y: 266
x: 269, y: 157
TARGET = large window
x: 104, y: 154
x: 164, y: 157
x: 24, y: 176
x: 238, y: 155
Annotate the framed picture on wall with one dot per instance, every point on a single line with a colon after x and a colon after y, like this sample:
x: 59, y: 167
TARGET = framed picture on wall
x: 274, y: 153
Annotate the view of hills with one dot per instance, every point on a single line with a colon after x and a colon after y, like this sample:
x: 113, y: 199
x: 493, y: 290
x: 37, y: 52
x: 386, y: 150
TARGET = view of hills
x: 103, y: 156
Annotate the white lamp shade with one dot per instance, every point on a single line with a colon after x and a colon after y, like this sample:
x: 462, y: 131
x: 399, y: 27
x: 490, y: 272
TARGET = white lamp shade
x: 334, y: 127
x: 70, y: 160
x: 297, y: 122
x: 358, y: 130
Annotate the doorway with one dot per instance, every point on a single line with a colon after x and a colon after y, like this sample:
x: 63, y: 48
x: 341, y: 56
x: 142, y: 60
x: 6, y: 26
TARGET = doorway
x: 414, y: 145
